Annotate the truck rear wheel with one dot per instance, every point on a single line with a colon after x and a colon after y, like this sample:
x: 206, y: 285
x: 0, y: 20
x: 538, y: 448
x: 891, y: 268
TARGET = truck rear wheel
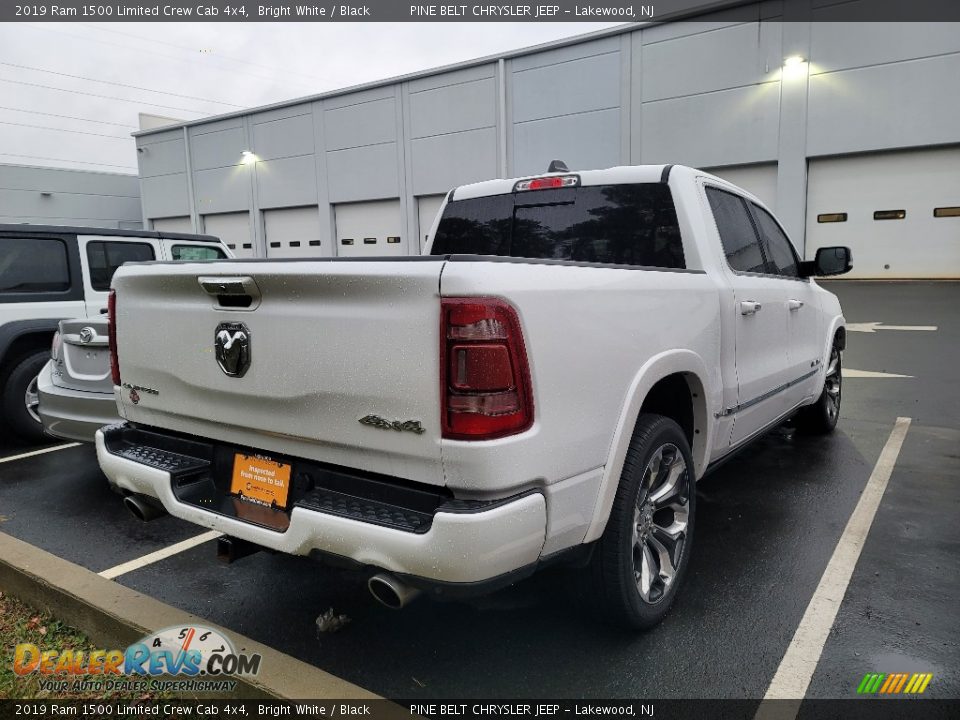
x: 642, y: 556
x: 20, y: 399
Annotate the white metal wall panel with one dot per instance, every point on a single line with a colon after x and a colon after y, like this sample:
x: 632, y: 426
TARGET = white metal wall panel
x: 884, y: 106
x: 427, y: 208
x: 294, y: 232
x: 233, y: 229
x: 720, y: 59
x: 164, y: 195
x: 287, y: 182
x: 761, y: 180
x: 173, y: 224
x: 918, y: 246
x: 371, y: 229
x: 727, y: 126
x: 284, y: 137
x: 160, y: 157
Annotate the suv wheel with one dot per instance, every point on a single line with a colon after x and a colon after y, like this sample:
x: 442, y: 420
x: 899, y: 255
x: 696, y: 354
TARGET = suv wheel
x: 20, y: 399
x: 639, y: 562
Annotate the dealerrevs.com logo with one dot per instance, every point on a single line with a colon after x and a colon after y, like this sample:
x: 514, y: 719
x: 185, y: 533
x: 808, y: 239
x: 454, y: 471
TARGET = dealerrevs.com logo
x: 189, y: 659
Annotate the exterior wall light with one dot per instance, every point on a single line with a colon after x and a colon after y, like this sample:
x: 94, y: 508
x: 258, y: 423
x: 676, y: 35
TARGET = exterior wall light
x: 794, y: 66
x: 247, y: 157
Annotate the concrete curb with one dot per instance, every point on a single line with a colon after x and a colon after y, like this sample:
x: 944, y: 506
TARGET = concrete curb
x: 112, y: 615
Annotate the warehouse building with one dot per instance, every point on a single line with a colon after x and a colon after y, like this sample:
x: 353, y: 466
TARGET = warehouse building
x: 57, y: 196
x: 850, y: 132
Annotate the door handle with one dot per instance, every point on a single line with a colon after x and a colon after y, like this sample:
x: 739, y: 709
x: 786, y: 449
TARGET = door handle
x: 794, y: 304
x: 750, y: 307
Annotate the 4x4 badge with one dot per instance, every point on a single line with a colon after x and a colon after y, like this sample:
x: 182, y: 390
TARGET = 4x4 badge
x: 376, y: 421
x: 232, y: 344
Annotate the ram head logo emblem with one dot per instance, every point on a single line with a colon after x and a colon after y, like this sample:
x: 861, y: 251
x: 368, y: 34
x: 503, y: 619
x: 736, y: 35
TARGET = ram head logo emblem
x: 232, y: 344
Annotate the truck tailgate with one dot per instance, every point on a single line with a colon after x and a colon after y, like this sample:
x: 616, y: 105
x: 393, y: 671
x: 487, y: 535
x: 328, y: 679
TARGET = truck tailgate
x: 329, y: 343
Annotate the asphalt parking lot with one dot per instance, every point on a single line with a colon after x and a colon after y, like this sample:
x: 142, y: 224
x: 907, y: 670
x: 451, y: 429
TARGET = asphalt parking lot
x: 768, y: 524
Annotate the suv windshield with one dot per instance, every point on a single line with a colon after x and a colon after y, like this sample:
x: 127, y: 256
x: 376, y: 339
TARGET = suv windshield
x: 623, y: 224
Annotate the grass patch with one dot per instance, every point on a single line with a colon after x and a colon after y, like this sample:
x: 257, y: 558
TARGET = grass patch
x: 19, y: 623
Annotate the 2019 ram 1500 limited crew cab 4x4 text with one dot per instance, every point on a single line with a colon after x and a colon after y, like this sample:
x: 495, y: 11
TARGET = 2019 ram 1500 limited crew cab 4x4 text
x: 573, y: 352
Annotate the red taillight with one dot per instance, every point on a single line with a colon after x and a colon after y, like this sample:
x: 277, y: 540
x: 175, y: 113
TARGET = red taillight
x: 112, y: 336
x: 547, y: 183
x: 484, y: 374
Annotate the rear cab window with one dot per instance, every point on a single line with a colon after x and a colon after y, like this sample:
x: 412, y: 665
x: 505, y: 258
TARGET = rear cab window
x: 624, y: 224
x: 189, y: 253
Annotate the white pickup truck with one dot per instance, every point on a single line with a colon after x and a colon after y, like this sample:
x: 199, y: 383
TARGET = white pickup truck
x: 548, y: 382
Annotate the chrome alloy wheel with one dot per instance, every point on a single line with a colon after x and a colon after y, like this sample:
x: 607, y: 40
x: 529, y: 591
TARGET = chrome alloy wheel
x: 660, y: 520
x: 833, y: 384
x: 31, y: 398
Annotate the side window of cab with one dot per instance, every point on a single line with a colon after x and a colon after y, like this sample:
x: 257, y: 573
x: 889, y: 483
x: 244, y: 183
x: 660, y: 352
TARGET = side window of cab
x: 781, y: 256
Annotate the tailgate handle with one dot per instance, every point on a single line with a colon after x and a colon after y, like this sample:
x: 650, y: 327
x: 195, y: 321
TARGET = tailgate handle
x: 232, y: 293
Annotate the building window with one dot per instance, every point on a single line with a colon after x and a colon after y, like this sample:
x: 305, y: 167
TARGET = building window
x: 831, y: 217
x: 347, y: 241
x: 946, y: 212
x: 393, y: 238
x: 314, y: 243
x: 889, y: 214
x: 369, y: 241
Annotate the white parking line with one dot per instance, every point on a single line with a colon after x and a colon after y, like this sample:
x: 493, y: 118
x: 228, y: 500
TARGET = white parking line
x: 800, y: 661
x: 157, y: 556
x: 851, y: 373
x: 37, y: 452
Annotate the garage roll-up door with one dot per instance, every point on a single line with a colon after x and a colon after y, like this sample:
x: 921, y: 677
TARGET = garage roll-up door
x: 427, y: 208
x: 294, y: 232
x: 892, y: 209
x: 761, y: 180
x: 370, y: 229
x: 173, y: 224
x: 233, y: 229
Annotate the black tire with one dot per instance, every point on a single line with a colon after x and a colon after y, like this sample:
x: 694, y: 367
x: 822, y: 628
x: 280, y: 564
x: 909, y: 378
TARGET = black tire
x: 614, y: 584
x: 18, y: 418
x: 821, y: 417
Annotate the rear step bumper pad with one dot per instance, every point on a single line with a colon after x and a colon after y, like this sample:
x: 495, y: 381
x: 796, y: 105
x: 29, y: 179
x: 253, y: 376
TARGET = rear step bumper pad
x: 460, y: 547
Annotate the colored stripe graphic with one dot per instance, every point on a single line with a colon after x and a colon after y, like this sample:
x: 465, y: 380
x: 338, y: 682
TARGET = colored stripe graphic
x: 900, y: 684
x: 912, y: 684
x: 894, y: 683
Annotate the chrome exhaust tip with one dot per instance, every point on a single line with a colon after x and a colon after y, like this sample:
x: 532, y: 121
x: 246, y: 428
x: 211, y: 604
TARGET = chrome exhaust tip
x: 142, y: 508
x: 391, y: 592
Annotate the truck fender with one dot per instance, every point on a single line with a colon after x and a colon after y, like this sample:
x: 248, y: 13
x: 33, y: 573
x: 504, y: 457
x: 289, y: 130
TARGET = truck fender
x: 654, y: 370
x: 835, y: 324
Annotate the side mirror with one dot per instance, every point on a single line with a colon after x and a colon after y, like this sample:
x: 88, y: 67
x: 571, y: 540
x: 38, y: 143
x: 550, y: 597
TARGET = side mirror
x: 835, y: 260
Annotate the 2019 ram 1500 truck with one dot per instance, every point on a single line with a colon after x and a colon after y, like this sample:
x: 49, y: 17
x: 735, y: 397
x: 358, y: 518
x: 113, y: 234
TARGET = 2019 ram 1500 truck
x: 550, y: 379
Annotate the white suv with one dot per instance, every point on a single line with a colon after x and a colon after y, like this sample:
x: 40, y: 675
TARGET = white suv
x: 50, y: 273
